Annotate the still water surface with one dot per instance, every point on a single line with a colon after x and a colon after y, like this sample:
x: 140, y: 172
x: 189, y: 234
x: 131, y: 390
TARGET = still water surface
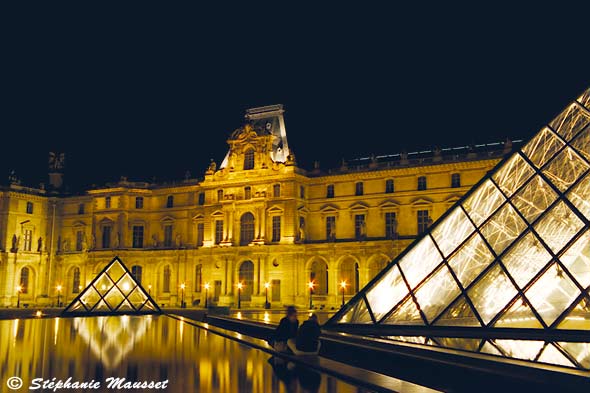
x: 145, y: 348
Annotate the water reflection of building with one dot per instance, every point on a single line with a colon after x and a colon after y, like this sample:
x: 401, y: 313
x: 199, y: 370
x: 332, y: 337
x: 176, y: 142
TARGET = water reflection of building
x: 136, y: 348
x: 255, y: 218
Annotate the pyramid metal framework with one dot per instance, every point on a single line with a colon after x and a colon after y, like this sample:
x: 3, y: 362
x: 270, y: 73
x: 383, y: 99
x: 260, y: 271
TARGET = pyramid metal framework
x: 113, y: 291
x: 514, y: 252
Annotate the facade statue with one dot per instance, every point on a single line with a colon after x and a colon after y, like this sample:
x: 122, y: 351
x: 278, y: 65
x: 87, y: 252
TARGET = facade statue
x: 66, y: 245
x: 15, y: 242
x: 93, y: 241
x: 363, y: 230
x: 40, y: 244
x: 84, y: 244
x: 212, y: 166
x: 393, y: 229
x: 56, y: 161
x: 403, y: 157
x: 117, y: 241
x: 178, y: 240
x: 154, y: 240
x: 302, y: 232
x: 332, y: 233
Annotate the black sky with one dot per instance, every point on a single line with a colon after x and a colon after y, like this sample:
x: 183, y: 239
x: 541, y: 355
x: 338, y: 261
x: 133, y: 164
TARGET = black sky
x: 155, y: 91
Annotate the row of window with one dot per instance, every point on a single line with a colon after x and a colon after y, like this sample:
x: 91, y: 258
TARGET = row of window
x: 138, y: 203
x: 390, y: 188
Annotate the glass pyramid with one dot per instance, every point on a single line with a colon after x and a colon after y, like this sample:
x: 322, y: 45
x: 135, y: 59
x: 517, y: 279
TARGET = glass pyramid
x: 513, y: 252
x: 113, y: 291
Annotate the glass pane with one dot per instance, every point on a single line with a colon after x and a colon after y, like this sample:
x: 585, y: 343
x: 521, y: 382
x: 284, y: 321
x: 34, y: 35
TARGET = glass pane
x: 388, y: 292
x: 125, y: 306
x: 420, y: 261
x: 437, y: 293
x: 90, y: 297
x: 467, y: 344
x: 126, y: 284
x: 570, y: 121
x: 578, y: 318
x: 459, y: 314
x: 519, y: 315
x: 489, y: 348
x: 580, y: 196
x: 579, y: 351
x: 513, y: 173
x: 520, y: 349
x: 473, y: 257
x: 552, y: 294
x: 503, y: 228
x: 114, y: 298
x: 552, y: 355
x: 137, y: 297
x: 534, y: 198
x: 525, y: 259
x: 565, y: 169
x: 577, y: 260
x: 558, y: 226
x: 483, y: 202
x: 115, y: 271
x: 491, y: 293
x: 76, y: 307
x: 406, y: 314
x: 101, y: 306
x: 582, y: 142
x: 542, y: 147
x: 358, y: 314
x: 584, y: 99
x: 408, y: 339
x: 103, y: 284
x: 454, y: 229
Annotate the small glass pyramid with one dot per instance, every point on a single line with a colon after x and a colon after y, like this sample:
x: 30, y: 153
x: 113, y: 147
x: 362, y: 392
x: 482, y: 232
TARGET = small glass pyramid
x: 113, y: 291
x: 513, y: 252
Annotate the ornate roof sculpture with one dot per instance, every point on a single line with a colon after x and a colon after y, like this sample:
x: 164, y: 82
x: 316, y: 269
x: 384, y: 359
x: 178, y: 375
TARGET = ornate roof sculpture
x: 113, y: 291
x: 514, y: 252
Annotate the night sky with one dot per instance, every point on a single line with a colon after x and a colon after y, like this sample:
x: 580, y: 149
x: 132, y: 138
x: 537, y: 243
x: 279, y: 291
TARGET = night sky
x: 146, y: 92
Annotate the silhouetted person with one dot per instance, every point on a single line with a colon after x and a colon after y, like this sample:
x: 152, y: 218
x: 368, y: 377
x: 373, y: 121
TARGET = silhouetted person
x: 307, y: 341
x: 286, y: 330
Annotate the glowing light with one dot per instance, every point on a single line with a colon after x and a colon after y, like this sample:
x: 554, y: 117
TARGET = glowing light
x: 58, y: 287
x: 240, y: 285
x: 266, y: 317
x: 207, y: 286
x: 38, y: 314
x: 311, y: 285
x: 239, y: 315
x: 125, y: 286
x: 19, y: 288
x: 267, y: 285
x: 182, y: 286
x: 343, y: 284
x: 103, y: 287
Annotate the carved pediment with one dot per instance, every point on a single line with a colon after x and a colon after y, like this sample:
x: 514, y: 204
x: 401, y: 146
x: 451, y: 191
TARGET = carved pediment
x: 329, y: 208
x: 358, y: 206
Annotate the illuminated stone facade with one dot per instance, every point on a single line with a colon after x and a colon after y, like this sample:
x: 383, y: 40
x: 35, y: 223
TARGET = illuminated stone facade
x: 256, y: 218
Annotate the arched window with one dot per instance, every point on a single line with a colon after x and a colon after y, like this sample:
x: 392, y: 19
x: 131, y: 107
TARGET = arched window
x: 166, y: 280
x: 249, y: 159
x: 76, y: 280
x: 246, y: 277
x: 349, y: 272
x: 246, y: 228
x: 198, y: 278
x: 136, y: 272
x: 170, y: 201
x: 319, y: 276
x: 24, y: 280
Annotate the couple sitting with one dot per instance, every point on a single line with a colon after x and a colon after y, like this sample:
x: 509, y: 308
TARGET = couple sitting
x: 304, y: 340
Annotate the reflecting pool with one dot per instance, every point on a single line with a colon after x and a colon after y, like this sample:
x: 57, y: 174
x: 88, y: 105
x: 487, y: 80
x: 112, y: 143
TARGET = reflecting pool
x: 145, y: 348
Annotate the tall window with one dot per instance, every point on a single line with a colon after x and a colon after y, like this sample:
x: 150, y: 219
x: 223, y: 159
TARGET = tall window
x: 219, y: 195
x: 455, y: 180
x: 200, y: 233
x: 349, y: 272
x: 29, y: 207
x: 247, y: 192
x: 136, y: 272
x: 168, y: 235
x: 201, y: 198
x: 106, y: 236
x: 169, y: 201
x: 198, y: 278
x: 79, y: 240
x: 246, y: 228
x: 139, y: 202
x: 218, y: 231
x: 28, y: 239
x: 137, y: 236
x: 390, y: 225
x: 276, y: 190
x: 24, y: 280
x: 249, y: 159
x: 166, y: 280
x: 319, y: 276
x: 276, y: 228
x: 330, y: 191
x: 389, y: 189
x: 330, y: 228
x: 76, y: 280
x: 81, y: 208
x: 107, y: 202
x: 422, y: 183
x: 301, y: 192
x: 423, y: 219
x: 359, y: 188
x: 246, y: 277
x: 359, y: 226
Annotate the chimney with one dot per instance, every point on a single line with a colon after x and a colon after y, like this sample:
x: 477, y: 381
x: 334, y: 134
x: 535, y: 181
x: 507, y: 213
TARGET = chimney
x: 56, y: 170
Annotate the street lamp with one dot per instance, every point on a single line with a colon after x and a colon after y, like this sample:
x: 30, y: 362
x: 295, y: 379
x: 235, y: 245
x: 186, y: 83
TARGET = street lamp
x: 266, y: 303
x: 343, y: 286
x: 240, y: 285
x: 18, y: 291
x: 182, y: 286
x: 310, y: 285
x: 206, y: 294
x: 58, y: 287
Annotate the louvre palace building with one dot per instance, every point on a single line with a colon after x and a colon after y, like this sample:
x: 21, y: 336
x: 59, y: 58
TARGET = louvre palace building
x: 255, y: 218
